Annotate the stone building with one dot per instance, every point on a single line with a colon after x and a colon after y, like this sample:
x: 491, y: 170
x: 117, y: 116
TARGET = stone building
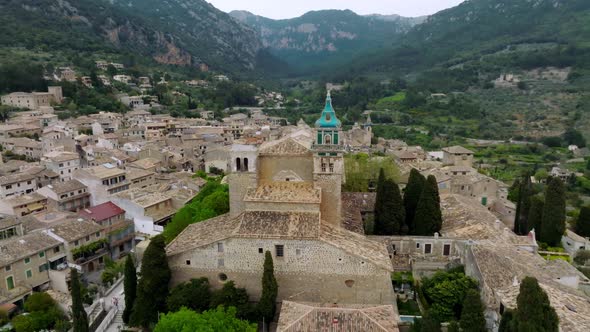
x: 25, y: 263
x: 119, y: 230
x: 34, y: 100
x: 287, y: 201
x: 71, y: 195
x: 457, y: 156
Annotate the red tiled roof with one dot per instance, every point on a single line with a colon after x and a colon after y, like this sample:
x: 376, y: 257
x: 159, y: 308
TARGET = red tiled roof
x: 102, y: 211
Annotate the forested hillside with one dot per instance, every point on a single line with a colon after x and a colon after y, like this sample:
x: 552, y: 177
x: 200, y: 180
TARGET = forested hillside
x: 326, y: 38
x: 173, y: 32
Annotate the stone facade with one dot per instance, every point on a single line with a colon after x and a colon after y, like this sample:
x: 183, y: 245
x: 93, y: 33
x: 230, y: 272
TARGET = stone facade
x: 309, y: 270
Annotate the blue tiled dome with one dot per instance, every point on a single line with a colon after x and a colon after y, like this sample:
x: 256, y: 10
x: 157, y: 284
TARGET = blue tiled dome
x: 328, y: 118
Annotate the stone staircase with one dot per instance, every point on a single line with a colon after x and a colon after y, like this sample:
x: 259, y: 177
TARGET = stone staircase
x: 118, y: 321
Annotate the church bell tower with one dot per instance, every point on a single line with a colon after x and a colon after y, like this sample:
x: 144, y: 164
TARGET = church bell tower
x: 328, y: 152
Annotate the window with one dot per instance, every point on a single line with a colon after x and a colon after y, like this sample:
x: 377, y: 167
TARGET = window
x: 76, y: 243
x: 27, y: 260
x: 87, y: 237
x: 43, y: 267
x: 8, y: 268
x: 220, y: 262
x: 42, y: 254
x: 222, y: 277
x: 97, y: 234
x: 219, y: 247
x: 10, y: 283
x: 29, y: 274
x: 280, y: 250
x: 428, y: 248
x: 446, y: 249
x: 188, y: 262
x: 297, y: 252
x: 417, y: 245
x: 260, y: 250
x: 9, y: 186
x: 56, y: 249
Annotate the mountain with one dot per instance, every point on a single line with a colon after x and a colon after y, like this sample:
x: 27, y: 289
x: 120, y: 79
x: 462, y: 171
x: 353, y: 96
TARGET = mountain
x: 177, y: 32
x: 478, y: 29
x: 326, y: 37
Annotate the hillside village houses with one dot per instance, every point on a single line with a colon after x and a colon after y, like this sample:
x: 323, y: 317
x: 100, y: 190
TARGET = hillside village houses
x: 113, y: 180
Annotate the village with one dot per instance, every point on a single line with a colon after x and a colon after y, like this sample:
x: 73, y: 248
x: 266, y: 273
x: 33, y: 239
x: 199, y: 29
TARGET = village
x: 84, y: 193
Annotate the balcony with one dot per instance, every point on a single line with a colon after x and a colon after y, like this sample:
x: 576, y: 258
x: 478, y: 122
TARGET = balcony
x: 329, y: 148
x: 89, y: 251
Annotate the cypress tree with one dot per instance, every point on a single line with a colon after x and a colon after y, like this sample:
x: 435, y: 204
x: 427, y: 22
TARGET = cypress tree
x: 428, y: 219
x: 78, y: 313
x: 130, y: 287
x: 392, y: 219
x: 536, y: 214
x: 534, y: 311
x: 412, y: 196
x: 583, y: 222
x: 472, y: 317
x: 506, y: 324
x: 380, y: 199
x: 553, y: 222
x: 523, y: 206
x: 152, y: 288
x: 270, y: 288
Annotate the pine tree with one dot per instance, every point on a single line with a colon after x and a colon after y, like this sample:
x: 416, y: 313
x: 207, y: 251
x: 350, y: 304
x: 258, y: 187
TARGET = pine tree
x: 536, y: 214
x: 78, y: 313
x: 583, y: 222
x: 270, y: 288
x: 412, y: 196
x: 152, y: 288
x: 523, y: 206
x: 428, y: 219
x: 534, y: 311
x: 472, y: 317
x: 553, y: 222
x: 130, y: 287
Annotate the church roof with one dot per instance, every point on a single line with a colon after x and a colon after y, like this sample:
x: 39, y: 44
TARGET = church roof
x: 280, y: 225
x: 287, y: 146
x: 323, y: 317
x: 292, y: 192
x: 328, y: 118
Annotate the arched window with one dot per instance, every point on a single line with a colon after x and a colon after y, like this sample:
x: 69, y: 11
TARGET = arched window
x: 328, y: 139
x: 238, y: 165
x: 245, y: 164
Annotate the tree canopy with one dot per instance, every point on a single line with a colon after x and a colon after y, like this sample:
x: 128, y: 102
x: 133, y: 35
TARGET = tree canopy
x: 214, y: 320
x: 428, y: 219
x: 534, y: 311
x: 152, y: 288
x: 445, y: 291
x: 194, y: 295
x: 78, y: 313
x: 553, y: 222
x: 412, y: 196
x: 270, y: 288
x: 472, y: 313
x: 130, y: 287
x: 389, y: 208
x: 583, y: 222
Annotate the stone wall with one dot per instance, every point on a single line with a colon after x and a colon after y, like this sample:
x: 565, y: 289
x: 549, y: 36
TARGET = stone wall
x: 331, y: 185
x: 310, y: 270
x: 270, y: 166
x: 238, y: 185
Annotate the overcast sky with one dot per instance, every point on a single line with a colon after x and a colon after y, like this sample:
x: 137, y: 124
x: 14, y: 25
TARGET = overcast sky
x: 278, y: 9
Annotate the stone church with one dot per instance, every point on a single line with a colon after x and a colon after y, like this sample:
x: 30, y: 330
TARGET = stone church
x: 285, y: 197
